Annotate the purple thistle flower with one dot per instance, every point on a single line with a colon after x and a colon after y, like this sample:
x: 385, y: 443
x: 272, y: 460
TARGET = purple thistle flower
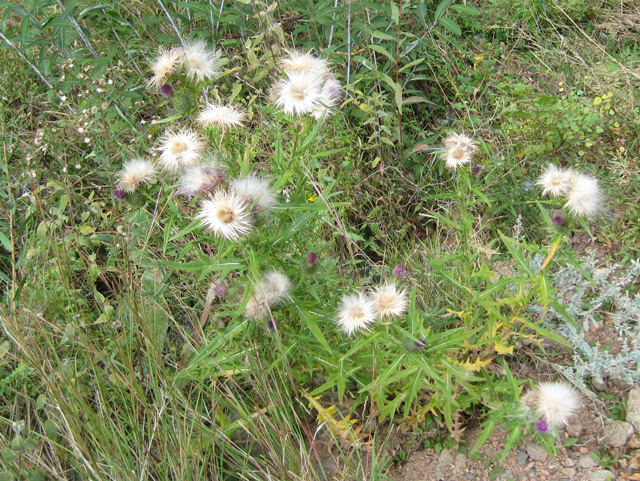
x: 119, y: 194
x: 271, y: 324
x: 421, y: 343
x: 312, y: 258
x: 542, y: 426
x: 167, y: 90
x: 477, y: 170
x: 400, y: 271
x: 220, y: 290
x: 558, y: 220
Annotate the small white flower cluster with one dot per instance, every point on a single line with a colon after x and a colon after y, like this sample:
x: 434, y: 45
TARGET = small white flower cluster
x: 199, y: 63
x: 553, y: 403
x: 269, y: 292
x: 309, y: 87
x: 357, y: 311
x: 582, y: 191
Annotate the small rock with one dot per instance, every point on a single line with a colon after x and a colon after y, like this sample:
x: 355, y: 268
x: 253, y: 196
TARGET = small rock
x: 633, y: 409
x: 460, y: 462
x: 617, y: 434
x: 568, y: 462
x: 570, y: 473
x: 574, y: 430
x: 445, y: 461
x: 599, y: 383
x: 470, y: 476
x: 536, y: 452
x: 522, y: 457
x: 586, y: 461
x: 634, y: 442
x: 603, y: 475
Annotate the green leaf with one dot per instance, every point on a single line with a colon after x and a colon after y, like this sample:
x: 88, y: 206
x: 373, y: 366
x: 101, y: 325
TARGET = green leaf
x: 383, y: 51
x: 442, y: 7
x: 450, y: 25
x: 465, y: 9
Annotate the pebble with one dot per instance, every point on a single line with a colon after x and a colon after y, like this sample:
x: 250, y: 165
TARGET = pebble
x: 586, y: 461
x: 536, y: 452
x: 445, y: 460
x: 470, y: 476
x: 599, y: 383
x: 603, y: 475
x: 522, y: 457
x: 634, y: 442
x: 570, y: 473
x: 633, y: 408
x: 574, y: 430
x: 617, y: 434
x: 568, y: 462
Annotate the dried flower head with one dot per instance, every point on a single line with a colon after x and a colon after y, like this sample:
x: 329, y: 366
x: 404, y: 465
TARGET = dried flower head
x: 553, y: 402
x: 299, y: 94
x: 356, y: 311
x: 226, y: 214
x: 222, y: 116
x: 164, y: 65
x: 179, y: 149
x: 389, y: 301
x: 400, y: 271
x: 135, y: 173
x: 329, y: 97
x: 305, y: 62
x: 200, y: 179
x: 199, y: 62
x: 458, y: 151
x: 585, y: 197
x: 256, y: 191
x: 555, y: 181
x: 269, y: 292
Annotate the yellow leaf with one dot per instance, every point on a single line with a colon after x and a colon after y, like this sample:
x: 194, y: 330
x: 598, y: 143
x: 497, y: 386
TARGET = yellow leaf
x: 552, y: 252
x: 501, y: 349
x: 457, y: 313
x: 476, y: 366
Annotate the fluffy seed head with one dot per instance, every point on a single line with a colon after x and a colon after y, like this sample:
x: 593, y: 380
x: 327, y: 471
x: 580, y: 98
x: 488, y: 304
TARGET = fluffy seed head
x: 299, y: 94
x: 329, y: 97
x: 199, y: 62
x: 458, y: 151
x: 255, y: 191
x: 179, y: 149
x: 306, y: 63
x: 553, y: 402
x: 135, y: 173
x: 389, y: 301
x: 585, y: 197
x: 356, y: 311
x: 164, y: 65
x: 269, y: 292
x: 199, y: 179
x: 227, y: 215
x: 222, y: 116
x: 555, y: 181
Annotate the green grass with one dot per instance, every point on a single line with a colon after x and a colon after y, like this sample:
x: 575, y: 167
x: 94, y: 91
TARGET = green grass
x: 116, y: 362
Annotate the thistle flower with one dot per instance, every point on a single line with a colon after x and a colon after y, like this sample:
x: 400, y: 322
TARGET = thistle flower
x: 222, y: 116
x: 299, y: 94
x: 199, y: 179
x: 389, y: 301
x: 164, y: 65
x: 400, y: 271
x: 179, y: 149
x: 256, y: 191
x: 199, y: 62
x: 355, y: 312
x: 553, y: 402
x: 459, y: 150
x: 135, y: 173
x: 555, y: 181
x: 227, y: 215
x: 585, y: 196
x: 329, y: 97
x: 305, y: 63
x: 167, y: 90
x: 269, y: 292
x: 312, y: 258
x: 119, y: 194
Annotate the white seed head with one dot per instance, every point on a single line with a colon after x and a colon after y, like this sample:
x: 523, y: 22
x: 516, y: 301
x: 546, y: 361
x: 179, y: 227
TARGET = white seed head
x: 222, y: 116
x: 227, y: 215
x: 199, y: 62
x: 135, y: 173
x: 199, y: 179
x: 555, y: 181
x: 179, y: 149
x: 164, y: 65
x: 356, y: 311
x: 305, y: 62
x: 555, y: 402
x: 389, y: 301
x: 299, y: 94
x: 585, y: 197
x: 256, y: 191
x: 458, y: 151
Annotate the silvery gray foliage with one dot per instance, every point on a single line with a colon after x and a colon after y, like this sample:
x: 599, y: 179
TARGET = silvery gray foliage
x: 584, y: 291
